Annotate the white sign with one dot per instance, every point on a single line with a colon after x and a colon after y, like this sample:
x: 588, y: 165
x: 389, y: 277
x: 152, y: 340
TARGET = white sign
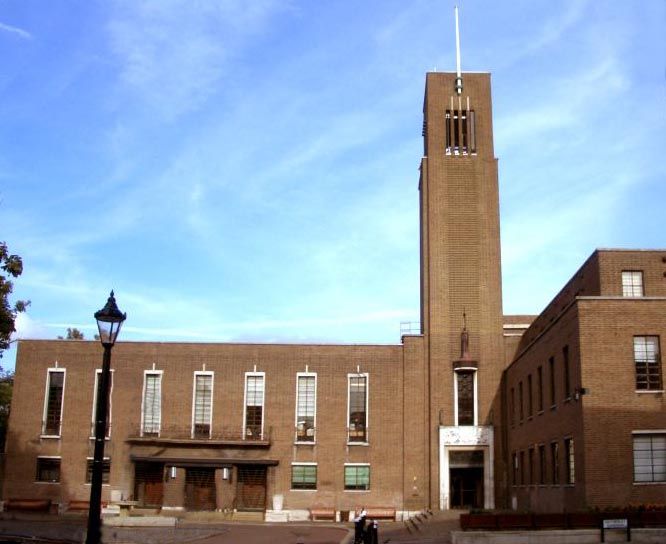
x: 615, y: 523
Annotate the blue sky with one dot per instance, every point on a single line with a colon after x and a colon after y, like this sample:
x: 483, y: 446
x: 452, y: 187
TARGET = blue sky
x: 247, y: 171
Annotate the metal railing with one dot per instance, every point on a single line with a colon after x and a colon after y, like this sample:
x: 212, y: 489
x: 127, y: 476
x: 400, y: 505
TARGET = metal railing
x: 206, y: 432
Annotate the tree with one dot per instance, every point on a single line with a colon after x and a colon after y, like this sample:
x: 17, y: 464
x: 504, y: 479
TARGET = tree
x: 12, y: 267
x: 72, y: 334
x: 6, y: 388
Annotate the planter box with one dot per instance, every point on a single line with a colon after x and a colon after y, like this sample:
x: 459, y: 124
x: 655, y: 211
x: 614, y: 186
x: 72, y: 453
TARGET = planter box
x: 653, y: 518
x: 583, y: 520
x: 514, y: 521
x: 550, y: 521
x: 478, y: 522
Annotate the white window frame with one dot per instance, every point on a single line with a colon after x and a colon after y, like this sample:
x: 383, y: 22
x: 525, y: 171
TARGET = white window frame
x: 104, y: 484
x: 367, y: 406
x: 194, y: 399
x: 630, y: 284
x: 357, y: 490
x: 98, y: 374
x: 263, y: 402
x: 570, y: 461
x: 302, y: 464
x: 46, y: 401
x: 59, y: 457
x: 300, y: 375
x: 635, y: 434
x: 476, y: 395
x: 146, y: 373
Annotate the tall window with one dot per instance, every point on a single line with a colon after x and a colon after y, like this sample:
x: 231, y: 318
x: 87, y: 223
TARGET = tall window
x: 514, y: 466
x: 530, y: 396
x: 540, y: 388
x: 632, y: 283
x: 460, y: 132
x: 304, y: 476
x: 551, y: 367
x: 520, y: 401
x: 570, y: 460
x: 648, y: 363
x: 48, y: 469
x: 55, y: 388
x: 530, y: 457
x: 202, y: 405
x: 522, y: 468
x: 306, y: 402
x: 542, y: 464
x: 465, y: 397
x: 512, y: 406
x: 254, y: 405
x: 555, y: 463
x: 98, y: 383
x: 357, y: 477
x: 649, y: 457
x: 358, y: 407
x: 151, y: 412
x: 106, y: 470
x: 567, y: 372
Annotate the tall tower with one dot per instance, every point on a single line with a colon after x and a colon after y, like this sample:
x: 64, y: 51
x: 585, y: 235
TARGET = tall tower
x: 461, y: 298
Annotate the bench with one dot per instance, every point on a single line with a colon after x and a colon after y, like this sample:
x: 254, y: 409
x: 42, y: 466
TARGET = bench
x: 28, y: 505
x: 379, y: 512
x: 320, y: 514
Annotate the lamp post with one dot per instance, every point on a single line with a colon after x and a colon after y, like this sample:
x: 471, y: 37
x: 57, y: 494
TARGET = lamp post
x: 109, y: 320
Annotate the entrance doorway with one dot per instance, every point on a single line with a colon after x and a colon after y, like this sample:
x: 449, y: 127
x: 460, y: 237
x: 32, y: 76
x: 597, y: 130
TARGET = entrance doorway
x: 251, y: 488
x: 466, y: 479
x: 466, y: 487
x: 200, y: 489
x: 149, y: 483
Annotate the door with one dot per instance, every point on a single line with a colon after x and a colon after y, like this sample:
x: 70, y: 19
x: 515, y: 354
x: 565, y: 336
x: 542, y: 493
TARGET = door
x: 200, y: 489
x: 149, y: 483
x: 251, y: 487
x: 466, y: 487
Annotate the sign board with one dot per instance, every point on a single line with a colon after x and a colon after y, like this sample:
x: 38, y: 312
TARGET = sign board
x: 616, y: 523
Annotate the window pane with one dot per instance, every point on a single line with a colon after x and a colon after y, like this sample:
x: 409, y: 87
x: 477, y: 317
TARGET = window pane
x: 54, y: 402
x: 48, y: 470
x: 305, y: 409
x: 254, y: 412
x: 357, y: 477
x: 152, y: 405
x: 304, y: 477
x: 203, y: 403
x: 106, y: 471
x: 465, y: 384
x: 357, y: 409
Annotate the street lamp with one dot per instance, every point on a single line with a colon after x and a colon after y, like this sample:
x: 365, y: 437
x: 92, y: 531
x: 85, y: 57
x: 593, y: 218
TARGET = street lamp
x: 109, y: 320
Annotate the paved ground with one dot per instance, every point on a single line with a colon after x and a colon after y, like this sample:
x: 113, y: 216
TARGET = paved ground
x: 433, y: 529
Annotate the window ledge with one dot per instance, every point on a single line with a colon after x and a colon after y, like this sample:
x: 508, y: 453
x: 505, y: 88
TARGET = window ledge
x: 540, y: 413
x: 357, y: 491
x: 304, y: 490
x: 51, y: 483
x: 103, y: 485
x: 358, y: 443
x: 301, y: 443
x: 649, y: 483
x: 50, y: 436
x: 649, y: 391
x: 106, y: 438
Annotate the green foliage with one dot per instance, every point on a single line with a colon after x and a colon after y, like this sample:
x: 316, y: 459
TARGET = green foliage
x: 6, y: 388
x: 72, y: 334
x: 11, y: 267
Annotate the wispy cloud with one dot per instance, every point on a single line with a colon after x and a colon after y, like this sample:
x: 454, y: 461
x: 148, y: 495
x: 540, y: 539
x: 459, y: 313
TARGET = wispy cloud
x: 16, y: 31
x: 173, y: 56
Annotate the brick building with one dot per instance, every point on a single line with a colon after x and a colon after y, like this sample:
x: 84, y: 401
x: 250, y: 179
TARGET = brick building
x: 478, y: 409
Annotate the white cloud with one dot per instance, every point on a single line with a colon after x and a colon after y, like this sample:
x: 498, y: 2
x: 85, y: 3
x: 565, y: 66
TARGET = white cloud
x: 173, y: 56
x: 16, y: 31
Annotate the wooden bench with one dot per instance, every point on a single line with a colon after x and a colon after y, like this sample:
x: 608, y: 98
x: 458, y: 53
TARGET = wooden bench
x: 28, y: 505
x: 379, y: 513
x: 78, y: 506
x: 321, y: 514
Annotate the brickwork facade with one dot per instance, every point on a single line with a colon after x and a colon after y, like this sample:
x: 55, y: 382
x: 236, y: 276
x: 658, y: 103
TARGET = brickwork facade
x: 558, y: 411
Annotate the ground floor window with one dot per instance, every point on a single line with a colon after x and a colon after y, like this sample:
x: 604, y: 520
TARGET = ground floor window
x: 48, y: 469
x: 106, y: 470
x: 650, y: 457
x: 357, y: 477
x: 304, y: 476
x: 570, y: 460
